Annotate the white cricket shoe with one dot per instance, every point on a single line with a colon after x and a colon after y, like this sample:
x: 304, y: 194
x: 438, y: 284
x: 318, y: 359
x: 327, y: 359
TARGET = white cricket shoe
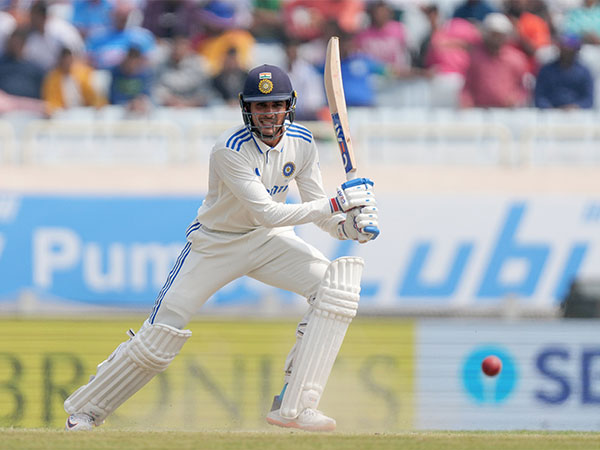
x: 308, y: 420
x: 79, y: 422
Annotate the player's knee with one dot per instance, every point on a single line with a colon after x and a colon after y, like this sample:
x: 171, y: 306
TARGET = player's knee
x: 155, y: 346
x: 318, y: 273
x: 169, y: 317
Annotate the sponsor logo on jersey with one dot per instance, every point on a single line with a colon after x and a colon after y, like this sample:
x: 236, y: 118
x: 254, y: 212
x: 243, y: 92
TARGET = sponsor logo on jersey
x: 265, y: 86
x: 288, y: 169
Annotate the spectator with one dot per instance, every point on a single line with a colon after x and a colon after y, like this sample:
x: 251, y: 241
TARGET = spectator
x: 385, y: 38
x: 7, y: 25
x: 473, y: 10
x: 70, y: 85
x: 585, y: 22
x: 448, y: 57
x: 170, y: 18
x: 541, y: 9
x: 358, y: 72
x: 92, y: 16
x: 220, y: 34
x: 19, y: 10
x: 305, y: 79
x: 450, y: 45
x: 182, y: 80
x: 18, y: 76
x: 565, y: 83
x: 131, y: 83
x: 267, y: 20
x: 229, y: 82
x: 314, y: 50
x: 533, y: 32
x: 306, y: 19
x: 10, y: 103
x: 432, y: 14
x: 497, y: 71
x: 48, y: 35
x: 107, y: 50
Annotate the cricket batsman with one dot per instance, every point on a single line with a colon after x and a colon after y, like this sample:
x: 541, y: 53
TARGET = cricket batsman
x: 244, y: 227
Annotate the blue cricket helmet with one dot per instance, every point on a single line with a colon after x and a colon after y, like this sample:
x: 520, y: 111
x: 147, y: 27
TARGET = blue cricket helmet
x: 267, y: 83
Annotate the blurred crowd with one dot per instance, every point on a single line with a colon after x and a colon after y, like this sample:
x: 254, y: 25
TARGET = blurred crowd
x: 58, y: 54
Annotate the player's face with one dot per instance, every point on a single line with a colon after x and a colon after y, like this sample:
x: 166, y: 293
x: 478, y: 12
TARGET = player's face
x: 268, y: 117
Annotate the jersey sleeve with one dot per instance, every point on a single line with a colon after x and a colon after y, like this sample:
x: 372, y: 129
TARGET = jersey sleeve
x: 310, y: 187
x: 238, y: 176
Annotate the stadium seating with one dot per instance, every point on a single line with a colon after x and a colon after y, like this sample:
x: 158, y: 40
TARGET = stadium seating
x: 512, y: 137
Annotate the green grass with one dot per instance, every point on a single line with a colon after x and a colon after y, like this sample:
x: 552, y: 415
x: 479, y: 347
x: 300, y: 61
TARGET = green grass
x: 47, y: 439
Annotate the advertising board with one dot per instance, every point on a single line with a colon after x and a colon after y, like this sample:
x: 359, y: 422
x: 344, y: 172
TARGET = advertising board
x: 436, y: 252
x: 550, y: 377
x: 224, y: 378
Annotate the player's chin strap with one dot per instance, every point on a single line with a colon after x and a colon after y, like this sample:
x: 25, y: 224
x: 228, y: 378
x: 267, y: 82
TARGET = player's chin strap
x: 277, y: 131
x: 334, y: 308
x: 133, y: 364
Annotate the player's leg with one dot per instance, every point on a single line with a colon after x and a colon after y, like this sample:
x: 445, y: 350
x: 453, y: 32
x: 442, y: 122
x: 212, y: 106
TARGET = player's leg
x: 196, y: 275
x: 333, y: 293
x: 296, y: 266
x: 214, y: 259
x: 133, y: 364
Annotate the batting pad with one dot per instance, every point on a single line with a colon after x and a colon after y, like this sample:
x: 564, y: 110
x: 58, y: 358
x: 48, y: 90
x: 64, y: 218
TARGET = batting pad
x: 127, y: 370
x: 334, y: 308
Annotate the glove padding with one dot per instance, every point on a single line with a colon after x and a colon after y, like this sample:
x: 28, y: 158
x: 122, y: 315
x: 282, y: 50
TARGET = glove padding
x: 352, y: 194
x: 361, y: 225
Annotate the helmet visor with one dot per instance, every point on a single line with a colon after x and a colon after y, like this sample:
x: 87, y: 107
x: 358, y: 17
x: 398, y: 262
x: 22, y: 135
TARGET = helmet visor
x: 266, y: 98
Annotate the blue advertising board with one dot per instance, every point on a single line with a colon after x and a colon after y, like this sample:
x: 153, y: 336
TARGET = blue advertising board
x: 93, y: 249
x: 435, y: 251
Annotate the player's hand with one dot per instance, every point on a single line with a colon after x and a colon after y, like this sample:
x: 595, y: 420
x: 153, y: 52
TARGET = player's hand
x: 361, y: 224
x: 352, y: 194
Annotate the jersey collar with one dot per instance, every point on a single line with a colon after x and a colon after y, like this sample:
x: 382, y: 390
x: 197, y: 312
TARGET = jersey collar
x: 263, y: 148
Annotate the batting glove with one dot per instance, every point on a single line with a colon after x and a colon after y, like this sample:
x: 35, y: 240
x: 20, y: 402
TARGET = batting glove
x: 352, y: 194
x: 361, y: 225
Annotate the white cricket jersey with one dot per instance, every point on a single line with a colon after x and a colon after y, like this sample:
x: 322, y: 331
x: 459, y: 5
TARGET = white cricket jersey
x: 249, y: 181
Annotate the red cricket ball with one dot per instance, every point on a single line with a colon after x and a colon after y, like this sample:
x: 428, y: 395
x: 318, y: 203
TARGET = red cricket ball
x: 491, y: 365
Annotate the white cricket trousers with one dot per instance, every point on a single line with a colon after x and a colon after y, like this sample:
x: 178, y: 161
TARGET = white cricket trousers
x: 211, y: 259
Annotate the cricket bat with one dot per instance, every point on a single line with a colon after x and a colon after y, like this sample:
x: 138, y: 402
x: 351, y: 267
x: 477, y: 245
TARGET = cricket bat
x: 337, y: 106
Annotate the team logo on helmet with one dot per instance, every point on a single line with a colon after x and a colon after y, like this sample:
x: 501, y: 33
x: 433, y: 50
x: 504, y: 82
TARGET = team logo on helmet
x: 288, y: 169
x: 265, y: 86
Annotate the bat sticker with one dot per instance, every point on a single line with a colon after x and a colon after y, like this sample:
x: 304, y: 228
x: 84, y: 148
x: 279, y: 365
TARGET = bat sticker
x: 341, y: 138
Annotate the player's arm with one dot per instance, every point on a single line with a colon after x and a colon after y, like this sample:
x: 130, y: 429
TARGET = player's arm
x: 239, y: 177
x: 310, y: 186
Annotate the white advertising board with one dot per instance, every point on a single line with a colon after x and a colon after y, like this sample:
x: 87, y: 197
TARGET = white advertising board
x: 550, y: 377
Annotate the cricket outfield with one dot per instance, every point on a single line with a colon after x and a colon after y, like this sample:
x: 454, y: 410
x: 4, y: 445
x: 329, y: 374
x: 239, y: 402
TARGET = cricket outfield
x: 35, y: 439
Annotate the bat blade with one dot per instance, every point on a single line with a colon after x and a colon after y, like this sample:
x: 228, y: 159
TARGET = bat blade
x: 334, y: 89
